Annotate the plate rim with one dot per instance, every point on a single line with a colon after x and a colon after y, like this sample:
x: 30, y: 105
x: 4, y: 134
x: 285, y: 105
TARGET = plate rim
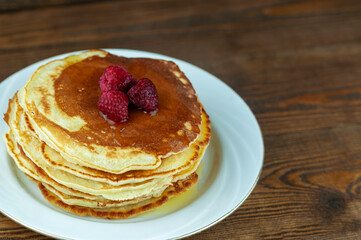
x: 160, y: 56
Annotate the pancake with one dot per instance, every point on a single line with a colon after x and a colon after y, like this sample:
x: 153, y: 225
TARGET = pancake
x: 60, y: 101
x: 127, y: 210
x: 85, y: 202
x: 87, y: 165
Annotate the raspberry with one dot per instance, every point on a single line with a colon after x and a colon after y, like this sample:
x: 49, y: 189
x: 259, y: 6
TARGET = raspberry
x: 103, y: 83
x: 144, y: 95
x: 116, y: 78
x: 114, y: 104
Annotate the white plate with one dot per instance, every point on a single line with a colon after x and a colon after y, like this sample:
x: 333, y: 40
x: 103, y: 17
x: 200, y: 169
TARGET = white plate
x: 230, y: 170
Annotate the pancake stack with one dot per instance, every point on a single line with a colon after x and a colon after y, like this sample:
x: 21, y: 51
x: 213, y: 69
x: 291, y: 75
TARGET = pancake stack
x: 87, y: 165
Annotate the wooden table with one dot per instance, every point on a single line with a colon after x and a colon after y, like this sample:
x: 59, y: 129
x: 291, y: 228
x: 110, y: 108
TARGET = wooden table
x: 297, y: 64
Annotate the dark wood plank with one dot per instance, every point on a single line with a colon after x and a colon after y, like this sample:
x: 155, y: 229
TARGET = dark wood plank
x: 21, y: 5
x: 296, y: 63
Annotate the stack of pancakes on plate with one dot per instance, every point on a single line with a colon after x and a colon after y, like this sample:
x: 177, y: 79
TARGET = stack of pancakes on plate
x: 90, y: 166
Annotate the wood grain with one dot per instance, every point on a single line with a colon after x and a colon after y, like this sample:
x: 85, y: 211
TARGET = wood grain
x: 297, y: 64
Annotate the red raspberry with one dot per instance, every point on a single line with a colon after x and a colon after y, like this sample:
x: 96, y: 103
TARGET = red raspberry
x: 144, y: 95
x: 114, y: 104
x: 116, y: 78
x: 103, y: 83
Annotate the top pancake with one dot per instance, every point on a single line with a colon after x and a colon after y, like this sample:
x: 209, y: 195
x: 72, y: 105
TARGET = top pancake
x: 61, y: 98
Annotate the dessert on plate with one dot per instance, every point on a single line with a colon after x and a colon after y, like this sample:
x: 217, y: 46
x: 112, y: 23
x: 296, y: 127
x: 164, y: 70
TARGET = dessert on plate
x: 108, y: 136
